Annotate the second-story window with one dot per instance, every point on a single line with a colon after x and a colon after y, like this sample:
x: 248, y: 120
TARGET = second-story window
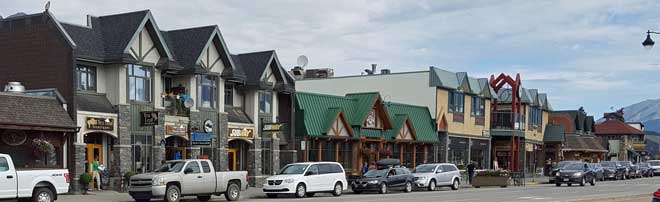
x: 478, y: 106
x: 139, y: 83
x: 86, y: 76
x: 229, y: 95
x: 207, y: 90
x: 265, y: 102
x: 456, y: 102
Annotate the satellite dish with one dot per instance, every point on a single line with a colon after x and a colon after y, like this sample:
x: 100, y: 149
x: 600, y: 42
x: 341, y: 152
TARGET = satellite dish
x: 188, y: 103
x: 302, y: 61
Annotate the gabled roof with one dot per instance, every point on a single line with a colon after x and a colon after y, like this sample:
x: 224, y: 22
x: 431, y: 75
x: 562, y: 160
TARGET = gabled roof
x: 253, y: 65
x: 365, y: 102
x: 423, y: 124
x: 107, y: 38
x: 563, y: 119
x: 533, y: 95
x: 188, y: 45
x: 453, y: 81
x: 588, y: 143
x: 616, y: 127
x: 19, y: 110
x: 46, y: 16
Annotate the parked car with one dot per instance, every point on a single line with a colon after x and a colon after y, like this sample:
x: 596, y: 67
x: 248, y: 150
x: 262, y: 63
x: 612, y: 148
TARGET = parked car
x: 613, y: 170
x: 656, y: 196
x: 645, y: 169
x: 195, y: 177
x: 42, y: 185
x: 306, y: 179
x: 578, y: 173
x: 430, y: 176
x: 554, y: 171
x: 631, y: 169
x: 598, y: 171
x: 655, y: 164
x: 388, y: 176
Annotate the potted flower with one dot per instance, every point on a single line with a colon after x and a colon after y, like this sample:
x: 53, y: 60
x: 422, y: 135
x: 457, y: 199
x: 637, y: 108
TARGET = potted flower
x: 499, y: 178
x: 85, y: 179
x: 42, y: 146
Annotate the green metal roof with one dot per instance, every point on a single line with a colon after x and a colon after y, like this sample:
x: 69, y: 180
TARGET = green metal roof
x: 420, y: 117
x: 313, y: 109
x: 364, y: 104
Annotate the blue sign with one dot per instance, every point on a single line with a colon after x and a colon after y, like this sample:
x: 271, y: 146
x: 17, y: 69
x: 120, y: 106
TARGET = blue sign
x: 200, y: 139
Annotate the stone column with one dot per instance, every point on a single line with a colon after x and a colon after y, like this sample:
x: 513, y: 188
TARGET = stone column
x: 222, y: 142
x: 254, y: 162
x: 78, y: 166
x: 158, y: 150
x: 275, y: 145
x: 123, y: 149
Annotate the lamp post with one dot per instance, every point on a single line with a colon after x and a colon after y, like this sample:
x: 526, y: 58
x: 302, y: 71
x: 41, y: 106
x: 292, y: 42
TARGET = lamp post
x: 648, y: 42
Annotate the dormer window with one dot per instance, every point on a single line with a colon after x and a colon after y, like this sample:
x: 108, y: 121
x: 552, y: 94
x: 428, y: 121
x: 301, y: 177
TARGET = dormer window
x: 372, y: 120
x: 139, y: 83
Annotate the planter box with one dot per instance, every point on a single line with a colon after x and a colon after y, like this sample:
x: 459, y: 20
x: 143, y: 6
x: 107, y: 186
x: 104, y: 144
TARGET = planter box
x: 486, y: 181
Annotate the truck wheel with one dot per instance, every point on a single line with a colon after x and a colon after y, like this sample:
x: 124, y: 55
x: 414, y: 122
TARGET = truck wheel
x: 172, y: 193
x: 233, y: 192
x: 338, y: 189
x: 301, y: 190
x: 204, y: 198
x: 42, y: 195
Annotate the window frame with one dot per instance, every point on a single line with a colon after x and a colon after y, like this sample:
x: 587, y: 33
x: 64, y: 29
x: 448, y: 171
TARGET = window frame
x: 478, y: 106
x: 264, y: 95
x: 229, y: 95
x: 456, y: 102
x: 212, y: 85
x: 90, y: 72
x: 147, y: 81
x: 207, y: 168
x: 199, y: 168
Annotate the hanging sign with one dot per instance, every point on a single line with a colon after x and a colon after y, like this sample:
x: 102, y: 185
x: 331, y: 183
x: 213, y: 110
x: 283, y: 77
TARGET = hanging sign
x: 149, y: 118
x: 100, y: 123
x: 272, y: 127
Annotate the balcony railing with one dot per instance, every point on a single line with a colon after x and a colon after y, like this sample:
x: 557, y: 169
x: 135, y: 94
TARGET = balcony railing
x: 507, y: 121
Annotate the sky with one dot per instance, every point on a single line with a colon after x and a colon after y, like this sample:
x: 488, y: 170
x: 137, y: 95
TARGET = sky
x: 582, y: 53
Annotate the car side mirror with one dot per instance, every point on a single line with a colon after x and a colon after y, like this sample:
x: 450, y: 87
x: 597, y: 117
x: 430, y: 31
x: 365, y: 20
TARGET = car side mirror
x: 188, y: 170
x: 308, y: 173
x: 438, y: 171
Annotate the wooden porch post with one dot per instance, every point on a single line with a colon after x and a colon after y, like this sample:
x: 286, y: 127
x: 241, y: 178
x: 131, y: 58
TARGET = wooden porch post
x: 319, y: 153
x: 414, y: 155
x: 337, y: 151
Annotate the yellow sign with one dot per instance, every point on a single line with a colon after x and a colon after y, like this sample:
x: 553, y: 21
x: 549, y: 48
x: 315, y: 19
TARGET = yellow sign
x: 247, y: 133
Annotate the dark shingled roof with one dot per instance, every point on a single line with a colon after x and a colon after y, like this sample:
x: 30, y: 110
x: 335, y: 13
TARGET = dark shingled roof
x: 616, y: 127
x: 236, y: 115
x: 25, y: 110
x: 588, y: 143
x: 94, y: 103
x: 188, y: 44
x: 254, y: 64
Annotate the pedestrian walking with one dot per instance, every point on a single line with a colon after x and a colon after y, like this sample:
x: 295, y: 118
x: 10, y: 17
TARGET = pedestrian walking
x: 470, y: 169
x: 365, y: 168
x: 95, y: 172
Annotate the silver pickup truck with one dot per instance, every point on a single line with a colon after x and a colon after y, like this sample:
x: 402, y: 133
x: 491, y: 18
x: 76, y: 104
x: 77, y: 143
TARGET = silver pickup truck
x: 197, y: 177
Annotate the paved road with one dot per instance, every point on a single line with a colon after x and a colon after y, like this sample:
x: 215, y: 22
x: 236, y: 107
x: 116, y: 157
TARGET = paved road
x: 610, y: 191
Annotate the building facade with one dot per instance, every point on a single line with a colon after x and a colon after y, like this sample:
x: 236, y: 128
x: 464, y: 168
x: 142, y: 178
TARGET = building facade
x: 460, y: 105
x: 624, y: 142
x: 578, y: 141
x: 141, y: 95
x: 361, y: 128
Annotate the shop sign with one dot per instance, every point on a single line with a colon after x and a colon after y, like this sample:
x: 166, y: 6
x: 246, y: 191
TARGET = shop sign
x: 272, y: 127
x: 200, y: 139
x: 639, y: 147
x: 241, y: 133
x: 100, y: 123
x: 176, y: 128
x: 149, y: 118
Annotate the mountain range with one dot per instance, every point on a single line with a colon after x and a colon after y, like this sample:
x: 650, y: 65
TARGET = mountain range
x: 647, y: 112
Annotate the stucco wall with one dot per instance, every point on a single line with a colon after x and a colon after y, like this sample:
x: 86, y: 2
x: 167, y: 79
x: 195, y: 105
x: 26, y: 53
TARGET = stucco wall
x: 468, y: 126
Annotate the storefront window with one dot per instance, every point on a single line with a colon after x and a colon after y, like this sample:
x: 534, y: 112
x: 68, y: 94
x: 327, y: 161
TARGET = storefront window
x: 407, y: 156
x: 86, y: 76
x: 207, y: 90
x: 267, y: 156
x: 141, y: 152
x: 420, y: 155
x: 313, y: 148
x: 346, y: 156
x: 396, y: 152
x: 139, y: 83
x: 328, y: 151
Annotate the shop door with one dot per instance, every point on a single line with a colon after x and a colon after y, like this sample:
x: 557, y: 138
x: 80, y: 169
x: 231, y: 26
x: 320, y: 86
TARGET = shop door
x: 93, y: 151
x: 232, y: 160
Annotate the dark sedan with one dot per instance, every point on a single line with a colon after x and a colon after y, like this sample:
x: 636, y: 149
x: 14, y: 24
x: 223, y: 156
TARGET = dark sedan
x: 575, y: 173
x: 382, y: 180
x: 613, y: 170
x: 556, y: 169
x: 599, y: 171
x: 631, y: 169
x: 645, y: 169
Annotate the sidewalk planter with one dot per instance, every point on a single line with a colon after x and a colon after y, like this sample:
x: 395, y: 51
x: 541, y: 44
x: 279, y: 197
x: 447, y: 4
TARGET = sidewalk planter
x: 488, y: 178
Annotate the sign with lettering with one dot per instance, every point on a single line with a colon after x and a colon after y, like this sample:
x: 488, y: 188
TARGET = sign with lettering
x: 149, y: 118
x: 179, y: 129
x: 100, y: 123
x: 272, y: 127
x: 247, y: 133
x: 200, y: 139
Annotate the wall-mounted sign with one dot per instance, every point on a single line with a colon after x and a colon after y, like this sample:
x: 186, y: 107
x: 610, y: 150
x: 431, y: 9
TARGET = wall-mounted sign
x: 208, y: 126
x: 179, y: 129
x: 100, y: 123
x: 241, y: 133
x: 272, y: 127
x: 149, y: 118
x: 200, y: 138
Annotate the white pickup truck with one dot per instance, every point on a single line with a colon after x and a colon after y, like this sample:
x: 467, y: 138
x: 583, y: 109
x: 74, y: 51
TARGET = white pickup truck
x: 38, y: 185
x: 197, y: 177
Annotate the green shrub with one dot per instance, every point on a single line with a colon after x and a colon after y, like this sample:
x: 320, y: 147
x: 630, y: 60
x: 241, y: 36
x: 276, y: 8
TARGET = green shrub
x: 493, y: 173
x: 85, y: 178
x: 128, y: 175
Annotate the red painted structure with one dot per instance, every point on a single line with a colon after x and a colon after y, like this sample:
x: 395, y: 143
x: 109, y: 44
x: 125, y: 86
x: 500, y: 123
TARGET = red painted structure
x: 516, y: 106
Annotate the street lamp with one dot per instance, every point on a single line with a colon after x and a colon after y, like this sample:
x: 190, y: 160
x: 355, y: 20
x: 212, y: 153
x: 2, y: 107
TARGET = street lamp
x: 648, y: 42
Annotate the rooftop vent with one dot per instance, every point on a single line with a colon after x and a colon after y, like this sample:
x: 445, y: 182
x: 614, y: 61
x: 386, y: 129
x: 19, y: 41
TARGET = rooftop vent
x: 14, y: 87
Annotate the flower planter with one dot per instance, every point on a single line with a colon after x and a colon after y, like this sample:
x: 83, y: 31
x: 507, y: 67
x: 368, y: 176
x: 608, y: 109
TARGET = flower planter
x: 489, y: 181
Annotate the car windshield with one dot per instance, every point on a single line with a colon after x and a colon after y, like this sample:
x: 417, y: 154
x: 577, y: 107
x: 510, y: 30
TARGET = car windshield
x: 654, y: 163
x: 642, y: 165
x: 424, y: 169
x: 293, y: 169
x: 608, y: 164
x: 172, y: 166
x: 376, y: 173
x: 574, y: 166
x: 563, y: 163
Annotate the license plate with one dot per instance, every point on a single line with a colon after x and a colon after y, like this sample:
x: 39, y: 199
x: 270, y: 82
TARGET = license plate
x: 566, y: 179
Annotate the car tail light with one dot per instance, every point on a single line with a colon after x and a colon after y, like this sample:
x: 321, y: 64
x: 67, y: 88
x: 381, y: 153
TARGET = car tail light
x: 657, y: 193
x: 67, y: 177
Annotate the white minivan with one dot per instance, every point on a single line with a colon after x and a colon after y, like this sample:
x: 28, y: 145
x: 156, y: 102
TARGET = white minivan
x: 430, y: 176
x: 306, y: 179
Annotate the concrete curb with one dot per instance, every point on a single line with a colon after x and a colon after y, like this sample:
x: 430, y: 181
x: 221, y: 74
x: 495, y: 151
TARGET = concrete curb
x: 611, y: 198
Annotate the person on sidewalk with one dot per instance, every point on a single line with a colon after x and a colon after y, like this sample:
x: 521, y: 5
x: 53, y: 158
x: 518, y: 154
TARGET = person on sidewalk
x: 95, y: 172
x: 365, y: 168
x: 470, y: 169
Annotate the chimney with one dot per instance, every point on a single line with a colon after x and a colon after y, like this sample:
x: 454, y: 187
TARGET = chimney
x: 373, y: 68
x: 385, y: 71
x: 14, y: 87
